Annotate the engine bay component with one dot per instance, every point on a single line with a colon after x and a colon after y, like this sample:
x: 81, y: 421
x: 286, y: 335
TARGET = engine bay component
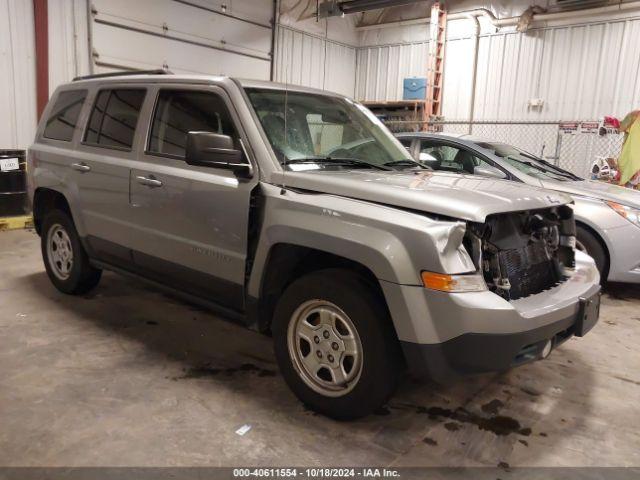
x: 524, y: 253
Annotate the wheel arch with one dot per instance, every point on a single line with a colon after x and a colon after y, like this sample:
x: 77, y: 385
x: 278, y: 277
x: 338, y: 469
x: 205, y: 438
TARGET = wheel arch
x: 286, y: 262
x: 591, y: 230
x: 45, y: 200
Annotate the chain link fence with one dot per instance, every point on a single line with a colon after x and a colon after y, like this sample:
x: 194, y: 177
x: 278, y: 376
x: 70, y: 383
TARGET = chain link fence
x: 573, y: 146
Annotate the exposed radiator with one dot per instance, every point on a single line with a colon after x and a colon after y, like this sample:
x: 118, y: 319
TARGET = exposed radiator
x: 530, y: 270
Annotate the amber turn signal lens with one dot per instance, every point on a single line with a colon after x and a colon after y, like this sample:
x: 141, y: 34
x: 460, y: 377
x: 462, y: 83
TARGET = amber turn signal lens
x: 453, y: 283
x: 437, y: 281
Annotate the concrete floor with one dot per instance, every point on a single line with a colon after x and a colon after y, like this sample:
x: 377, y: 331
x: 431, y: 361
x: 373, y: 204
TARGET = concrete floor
x: 127, y: 376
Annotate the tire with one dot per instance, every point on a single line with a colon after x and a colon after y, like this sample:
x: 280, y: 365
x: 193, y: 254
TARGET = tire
x: 358, y: 321
x: 591, y: 245
x: 65, y: 259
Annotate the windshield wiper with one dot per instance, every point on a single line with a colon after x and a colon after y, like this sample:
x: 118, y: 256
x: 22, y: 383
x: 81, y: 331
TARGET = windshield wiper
x: 554, y: 170
x: 335, y: 161
x: 407, y: 162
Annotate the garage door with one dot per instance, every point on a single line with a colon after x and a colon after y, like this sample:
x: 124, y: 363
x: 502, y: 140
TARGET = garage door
x: 230, y: 37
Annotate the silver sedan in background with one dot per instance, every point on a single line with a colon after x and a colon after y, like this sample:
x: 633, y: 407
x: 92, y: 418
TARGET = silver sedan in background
x: 607, y: 216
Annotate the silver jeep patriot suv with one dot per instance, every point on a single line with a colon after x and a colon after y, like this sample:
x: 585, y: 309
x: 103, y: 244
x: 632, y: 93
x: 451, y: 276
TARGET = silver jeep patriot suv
x: 296, y: 212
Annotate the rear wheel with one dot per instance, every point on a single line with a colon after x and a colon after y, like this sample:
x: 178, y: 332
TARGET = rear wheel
x: 335, y: 344
x: 65, y: 259
x: 587, y: 242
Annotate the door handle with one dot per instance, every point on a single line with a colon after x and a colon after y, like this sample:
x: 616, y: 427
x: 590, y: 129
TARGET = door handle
x: 81, y: 167
x: 149, y: 181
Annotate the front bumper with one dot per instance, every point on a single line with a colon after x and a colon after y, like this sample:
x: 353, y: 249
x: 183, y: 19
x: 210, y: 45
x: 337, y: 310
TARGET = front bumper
x: 449, y: 335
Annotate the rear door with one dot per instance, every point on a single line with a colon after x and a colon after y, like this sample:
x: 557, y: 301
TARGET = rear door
x: 101, y: 166
x: 54, y: 153
x: 190, y: 222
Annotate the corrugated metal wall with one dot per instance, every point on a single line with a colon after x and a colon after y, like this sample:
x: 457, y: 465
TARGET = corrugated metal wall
x: 17, y: 74
x: 380, y: 70
x: 314, y: 61
x: 580, y: 72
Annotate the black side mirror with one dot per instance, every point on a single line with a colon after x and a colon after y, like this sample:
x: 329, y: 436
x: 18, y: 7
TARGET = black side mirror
x: 207, y: 149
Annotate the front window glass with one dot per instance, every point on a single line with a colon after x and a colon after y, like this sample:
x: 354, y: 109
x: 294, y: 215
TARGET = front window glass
x: 310, y: 131
x: 179, y: 112
x: 528, y: 163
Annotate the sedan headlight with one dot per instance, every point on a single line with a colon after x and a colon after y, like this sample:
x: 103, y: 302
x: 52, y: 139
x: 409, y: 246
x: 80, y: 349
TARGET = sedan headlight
x: 454, y: 283
x: 630, y: 213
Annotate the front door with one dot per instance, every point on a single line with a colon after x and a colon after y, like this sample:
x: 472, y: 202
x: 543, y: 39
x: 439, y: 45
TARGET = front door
x: 190, y: 223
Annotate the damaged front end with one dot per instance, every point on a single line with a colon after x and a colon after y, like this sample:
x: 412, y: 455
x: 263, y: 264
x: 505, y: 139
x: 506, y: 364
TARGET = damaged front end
x: 523, y: 253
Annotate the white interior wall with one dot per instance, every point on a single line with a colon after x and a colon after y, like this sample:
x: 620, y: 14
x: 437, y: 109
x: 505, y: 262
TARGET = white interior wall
x: 580, y: 71
x: 17, y: 74
x: 381, y: 69
x: 68, y: 41
x: 319, y: 54
x: 583, y: 70
x: 136, y: 47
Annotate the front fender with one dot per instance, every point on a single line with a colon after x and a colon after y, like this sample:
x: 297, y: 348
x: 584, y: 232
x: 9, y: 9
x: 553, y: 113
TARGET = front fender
x: 396, y: 245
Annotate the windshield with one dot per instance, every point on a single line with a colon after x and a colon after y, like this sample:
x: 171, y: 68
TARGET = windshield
x: 528, y: 163
x: 318, y: 131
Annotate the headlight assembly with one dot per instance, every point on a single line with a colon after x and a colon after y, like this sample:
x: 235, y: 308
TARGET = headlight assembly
x: 630, y: 213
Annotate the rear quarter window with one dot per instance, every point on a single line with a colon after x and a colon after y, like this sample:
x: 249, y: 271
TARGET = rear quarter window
x: 63, y: 118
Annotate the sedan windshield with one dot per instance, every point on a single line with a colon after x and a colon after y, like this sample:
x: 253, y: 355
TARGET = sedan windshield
x: 528, y: 163
x: 311, y: 131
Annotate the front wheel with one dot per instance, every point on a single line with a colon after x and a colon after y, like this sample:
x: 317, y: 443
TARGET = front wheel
x: 335, y: 344
x: 65, y: 259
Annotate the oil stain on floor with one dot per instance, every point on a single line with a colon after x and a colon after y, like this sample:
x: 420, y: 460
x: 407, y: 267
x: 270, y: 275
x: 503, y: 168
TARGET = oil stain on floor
x: 207, y: 370
x: 498, y: 424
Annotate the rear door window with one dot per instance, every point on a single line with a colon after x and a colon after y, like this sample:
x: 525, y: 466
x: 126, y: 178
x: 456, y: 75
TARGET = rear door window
x: 114, y: 117
x: 64, y: 115
x: 179, y: 112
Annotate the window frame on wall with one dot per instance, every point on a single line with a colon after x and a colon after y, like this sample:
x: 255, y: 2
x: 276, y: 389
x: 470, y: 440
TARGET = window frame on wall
x: 110, y: 90
x: 237, y: 136
x: 77, y: 122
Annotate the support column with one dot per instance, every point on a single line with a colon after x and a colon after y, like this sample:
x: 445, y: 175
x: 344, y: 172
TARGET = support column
x: 41, y: 24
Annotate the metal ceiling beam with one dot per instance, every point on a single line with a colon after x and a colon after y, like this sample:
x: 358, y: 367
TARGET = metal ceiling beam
x: 332, y: 8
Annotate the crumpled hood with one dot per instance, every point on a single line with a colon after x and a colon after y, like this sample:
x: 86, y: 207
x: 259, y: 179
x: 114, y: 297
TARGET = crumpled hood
x: 600, y: 190
x: 465, y: 197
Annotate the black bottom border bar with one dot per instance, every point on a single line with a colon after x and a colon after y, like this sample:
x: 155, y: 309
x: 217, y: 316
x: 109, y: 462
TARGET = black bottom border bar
x: 503, y: 472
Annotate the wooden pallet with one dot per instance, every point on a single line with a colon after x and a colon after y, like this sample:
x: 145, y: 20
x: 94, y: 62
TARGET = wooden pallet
x: 16, y: 223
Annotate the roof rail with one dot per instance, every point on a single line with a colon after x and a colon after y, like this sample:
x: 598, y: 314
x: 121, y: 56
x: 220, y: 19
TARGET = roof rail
x: 157, y: 71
